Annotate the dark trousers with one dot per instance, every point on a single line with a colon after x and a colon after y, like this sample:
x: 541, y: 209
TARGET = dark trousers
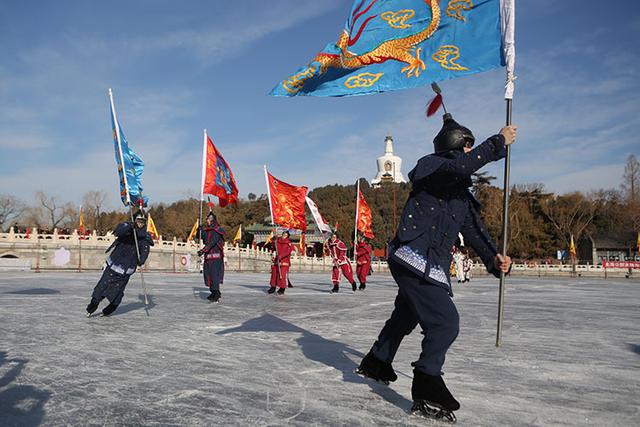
x: 419, y: 302
x: 213, y: 271
x: 110, y: 286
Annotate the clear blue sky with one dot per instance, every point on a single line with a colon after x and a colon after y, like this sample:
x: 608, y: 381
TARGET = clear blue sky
x: 178, y: 67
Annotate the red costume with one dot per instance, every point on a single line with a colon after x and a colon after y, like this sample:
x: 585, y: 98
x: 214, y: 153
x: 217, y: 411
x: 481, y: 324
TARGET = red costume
x: 281, y: 262
x: 338, y: 251
x: 363, y: 261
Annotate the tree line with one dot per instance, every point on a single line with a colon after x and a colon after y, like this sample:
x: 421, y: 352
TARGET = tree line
x: 540, y: 222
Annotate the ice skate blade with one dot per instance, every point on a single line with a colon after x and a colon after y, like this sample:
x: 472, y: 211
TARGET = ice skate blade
x: 433, y: 411
x: 363, y: 374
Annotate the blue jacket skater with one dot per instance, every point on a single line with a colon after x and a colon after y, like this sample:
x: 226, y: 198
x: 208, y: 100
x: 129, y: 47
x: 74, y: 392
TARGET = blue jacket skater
x: 439, y: 207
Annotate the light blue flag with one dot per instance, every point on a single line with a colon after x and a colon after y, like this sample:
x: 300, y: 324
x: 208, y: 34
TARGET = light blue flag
x: 131, y: 179
x: 398, y: 44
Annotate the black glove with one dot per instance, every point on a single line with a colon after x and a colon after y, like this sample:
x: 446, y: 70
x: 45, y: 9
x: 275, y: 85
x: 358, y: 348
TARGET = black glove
x: 200, y: 252
x: 140, y: 263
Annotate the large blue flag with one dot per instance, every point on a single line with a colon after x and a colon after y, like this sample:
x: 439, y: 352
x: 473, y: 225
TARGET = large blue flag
x: 130, y: 166
x: 398, y: 44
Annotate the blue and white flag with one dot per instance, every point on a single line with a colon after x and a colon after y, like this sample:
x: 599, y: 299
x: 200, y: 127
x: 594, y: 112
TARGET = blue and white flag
x: 130, y: 166
x: 398, y: 44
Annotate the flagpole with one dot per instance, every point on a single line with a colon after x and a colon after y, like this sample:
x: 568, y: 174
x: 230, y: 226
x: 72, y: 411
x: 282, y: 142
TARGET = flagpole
x: 507, y: 26
x: 505, y: 228
x: 135, y: 239
x: 355, y: 231
x: 275, y: 237
x: 204, y: 166
x: 80, y: 242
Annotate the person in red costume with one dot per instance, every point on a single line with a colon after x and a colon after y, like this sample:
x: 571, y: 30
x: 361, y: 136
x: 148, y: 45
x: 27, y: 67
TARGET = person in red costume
x: 363, y: 261
x: 338, y: 251
x: 281, y: 263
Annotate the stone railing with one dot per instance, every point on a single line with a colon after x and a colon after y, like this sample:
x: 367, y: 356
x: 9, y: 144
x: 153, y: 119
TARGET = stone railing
x: 74, y: 252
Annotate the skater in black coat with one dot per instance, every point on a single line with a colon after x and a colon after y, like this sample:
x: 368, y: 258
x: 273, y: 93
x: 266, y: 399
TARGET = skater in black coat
x: 439, y: 207
x: 121, y: 263
x: 213, y: 251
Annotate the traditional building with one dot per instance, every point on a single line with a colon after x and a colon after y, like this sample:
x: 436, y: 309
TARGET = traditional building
x: 389, y: 166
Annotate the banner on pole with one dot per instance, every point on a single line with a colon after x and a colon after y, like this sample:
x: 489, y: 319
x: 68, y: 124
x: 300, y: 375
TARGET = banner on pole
x: 399, y: 44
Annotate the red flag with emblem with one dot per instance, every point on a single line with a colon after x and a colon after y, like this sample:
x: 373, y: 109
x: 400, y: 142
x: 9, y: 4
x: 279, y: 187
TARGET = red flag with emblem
x: 364, y: 217
x: 287, y: 203
x: 217, y: 178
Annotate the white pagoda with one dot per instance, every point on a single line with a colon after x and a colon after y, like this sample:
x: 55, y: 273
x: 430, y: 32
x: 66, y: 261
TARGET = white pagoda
x: 389, y: 165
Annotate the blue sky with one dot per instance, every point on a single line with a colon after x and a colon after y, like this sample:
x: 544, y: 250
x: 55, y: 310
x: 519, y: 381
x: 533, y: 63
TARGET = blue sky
x: 179, y: 67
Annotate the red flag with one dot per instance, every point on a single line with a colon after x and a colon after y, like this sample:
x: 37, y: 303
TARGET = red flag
x: 217, y: 176
x: 364, y: 217
x: 287, y: 203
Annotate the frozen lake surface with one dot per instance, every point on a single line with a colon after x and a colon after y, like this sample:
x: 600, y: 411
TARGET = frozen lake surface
x: 570, y: 355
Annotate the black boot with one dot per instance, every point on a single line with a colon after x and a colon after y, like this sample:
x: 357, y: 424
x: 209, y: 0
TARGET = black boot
x: 431, y: 389
x: 271, y: 290
x: 362, y: 286
x: 93, y: 306
x: 376, y: 369
x: 335, y: 289
x: 215, y: 296
x: 354, y: 287
x: 109, y: 309
x: 280, y: 291
x: 289, y: 285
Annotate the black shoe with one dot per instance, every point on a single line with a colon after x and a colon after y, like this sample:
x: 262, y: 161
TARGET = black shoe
x: 376, y: 369
x: 362, y: 286
x: 432, y: 390
x: 354, y: 287
x: 280, y: 291
x: 271, y: 290
x: 108, y: 310
x: 335, y: 289
x: 215, y: 296
x: 93, y: 306
x: 289, y: 285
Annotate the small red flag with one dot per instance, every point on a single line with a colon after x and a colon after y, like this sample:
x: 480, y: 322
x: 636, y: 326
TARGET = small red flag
x: 287, y: 204
x: 218, y: 178
x: 364, y: 217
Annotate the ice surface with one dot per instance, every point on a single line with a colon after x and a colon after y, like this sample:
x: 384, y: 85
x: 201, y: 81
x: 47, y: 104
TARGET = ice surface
x: 571, y: 354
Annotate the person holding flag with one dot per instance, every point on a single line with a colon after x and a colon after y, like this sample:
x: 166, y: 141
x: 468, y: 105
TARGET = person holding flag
x: 133, y: 242
x: 122, y: 263
x: 341, y: 263
x: 440, y: 206
x: 363, y: 261
x: 213, y: 252
x: 281, y: 264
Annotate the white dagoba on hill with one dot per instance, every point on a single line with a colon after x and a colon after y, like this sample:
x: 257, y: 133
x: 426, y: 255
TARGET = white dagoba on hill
x: 389, y: 166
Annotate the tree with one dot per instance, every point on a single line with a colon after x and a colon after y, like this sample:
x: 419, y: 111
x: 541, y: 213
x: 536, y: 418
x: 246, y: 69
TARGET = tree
x: 631, y: 179
x: 252, y: 197
x: 52, y: 209
x: 10, y: 209
x: 570, y: 214
x: 93, y: 202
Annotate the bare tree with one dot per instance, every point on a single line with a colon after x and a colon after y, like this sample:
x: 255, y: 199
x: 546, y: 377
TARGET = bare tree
x: 53, y: 210
x: 631, y: 179
x: 570, y: 214
x: 10, y: 209
x: 93, y: 202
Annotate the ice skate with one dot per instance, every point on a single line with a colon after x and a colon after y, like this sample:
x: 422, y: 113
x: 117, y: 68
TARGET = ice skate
x: 93, y: 306
x: 377, y: 370
x: 108, y: 310
x: 425, y: 409
x: 362, y: 286
x: 354, y: 287
x: 215, y: 296
x: 335, y: 289
x: 280, y: 291
x: 271, y: 290
x: 432, y: 398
